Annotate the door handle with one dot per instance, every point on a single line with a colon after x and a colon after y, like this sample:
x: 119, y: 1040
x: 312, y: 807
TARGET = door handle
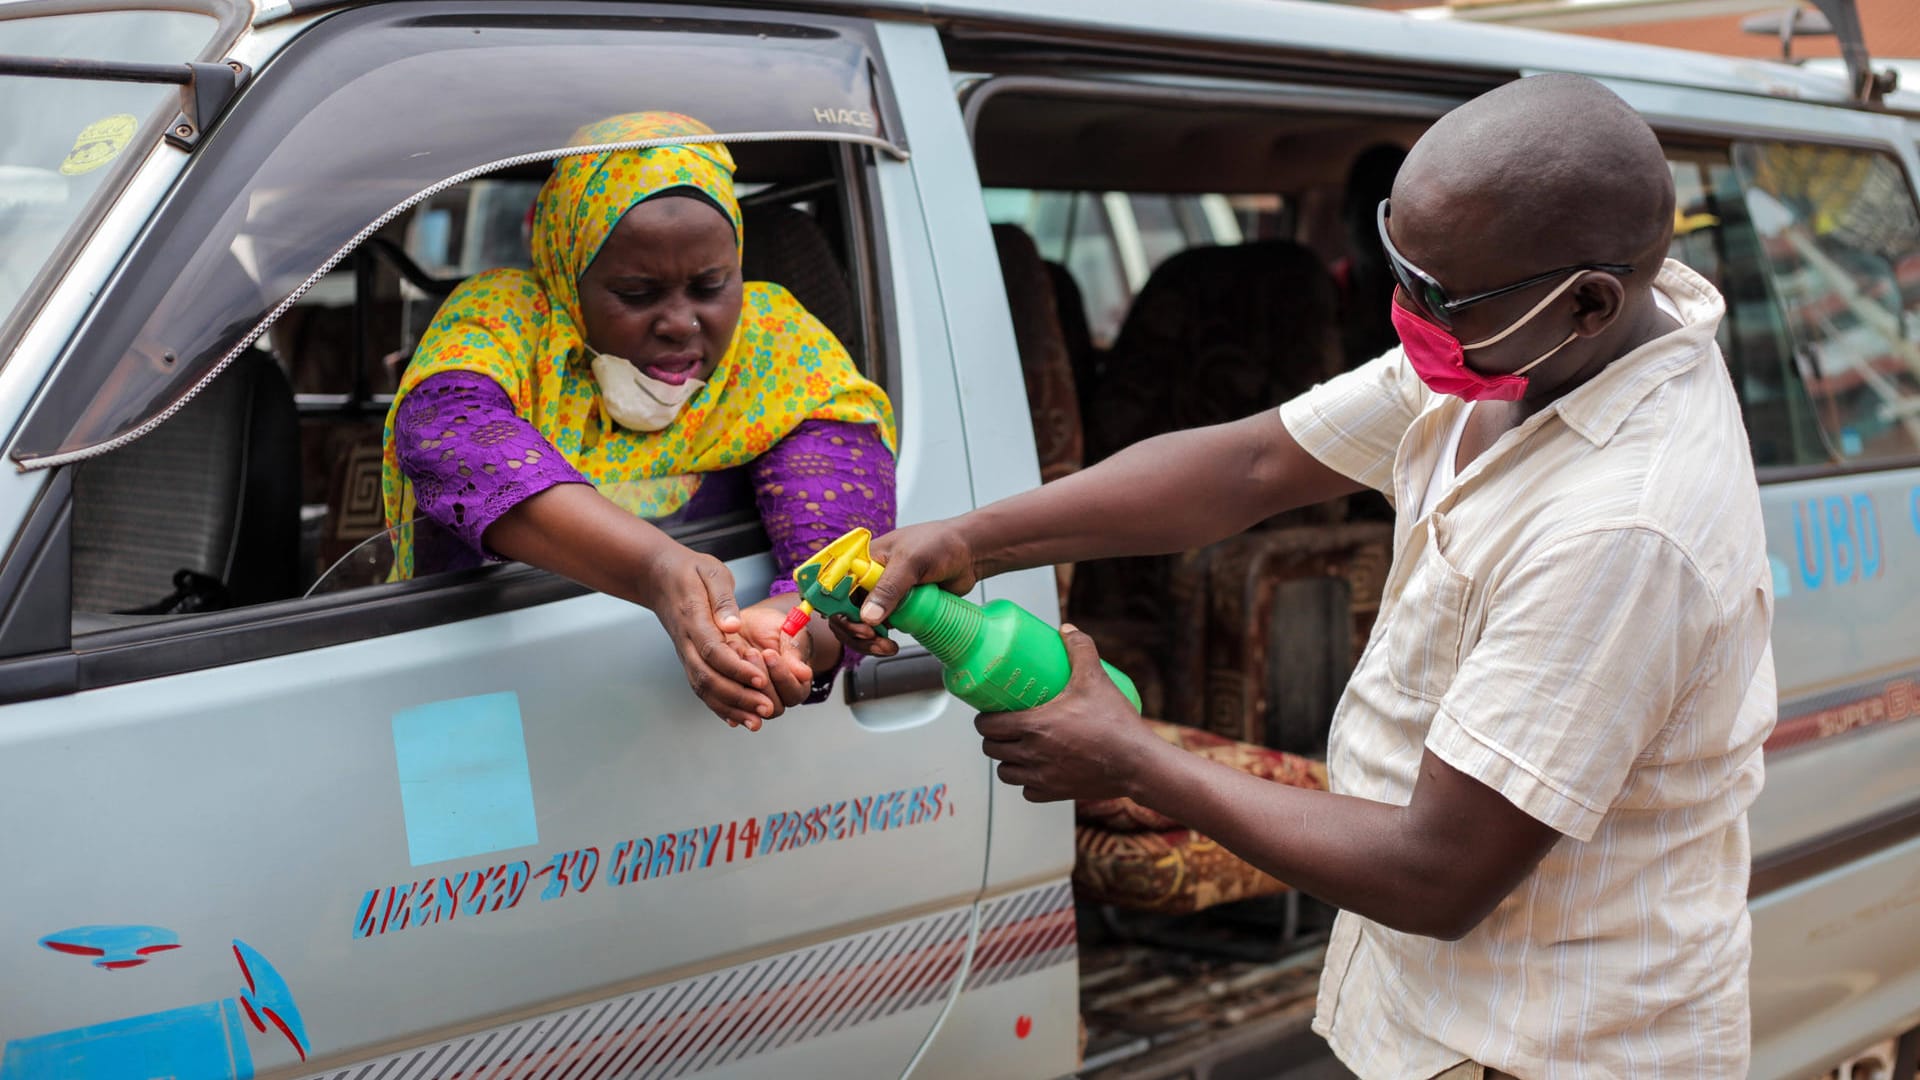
x: 912, y: 670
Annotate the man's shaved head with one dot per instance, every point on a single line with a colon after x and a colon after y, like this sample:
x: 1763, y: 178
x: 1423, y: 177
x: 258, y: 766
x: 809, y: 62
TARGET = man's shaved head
x: 1543, y: 172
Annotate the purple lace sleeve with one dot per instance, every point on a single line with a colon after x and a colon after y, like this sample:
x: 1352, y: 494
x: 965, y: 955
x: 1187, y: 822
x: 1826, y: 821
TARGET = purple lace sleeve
x: 470, y: 456
x: 822, y: 479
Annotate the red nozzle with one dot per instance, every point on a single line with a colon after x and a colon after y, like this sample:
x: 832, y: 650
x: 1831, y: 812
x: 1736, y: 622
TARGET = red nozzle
x: 797, y: 620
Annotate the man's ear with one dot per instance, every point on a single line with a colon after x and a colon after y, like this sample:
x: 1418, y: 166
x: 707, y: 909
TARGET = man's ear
x: 1598, y: 300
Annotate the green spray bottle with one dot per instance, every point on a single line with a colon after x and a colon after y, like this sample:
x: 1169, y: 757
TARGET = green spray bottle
x: 998, y: 658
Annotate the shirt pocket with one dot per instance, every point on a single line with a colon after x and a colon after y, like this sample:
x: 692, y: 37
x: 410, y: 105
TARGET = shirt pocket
x: 1428, y: 628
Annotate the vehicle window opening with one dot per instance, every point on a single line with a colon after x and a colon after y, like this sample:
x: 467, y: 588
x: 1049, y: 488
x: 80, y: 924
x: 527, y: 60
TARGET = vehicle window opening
x: 1132, y: 263
x: 1195, y: 271
x: 291, y: 435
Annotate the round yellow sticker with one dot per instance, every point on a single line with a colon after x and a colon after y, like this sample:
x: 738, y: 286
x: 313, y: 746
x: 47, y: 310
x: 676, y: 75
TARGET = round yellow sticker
x: 99, y: 143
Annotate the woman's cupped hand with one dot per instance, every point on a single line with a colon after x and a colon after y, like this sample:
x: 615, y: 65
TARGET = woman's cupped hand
x: 738, y: 663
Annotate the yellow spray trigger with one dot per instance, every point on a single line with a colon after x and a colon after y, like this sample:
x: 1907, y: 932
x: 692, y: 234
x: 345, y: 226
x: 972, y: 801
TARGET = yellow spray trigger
x: 848, y: 556
x: 836, y: 580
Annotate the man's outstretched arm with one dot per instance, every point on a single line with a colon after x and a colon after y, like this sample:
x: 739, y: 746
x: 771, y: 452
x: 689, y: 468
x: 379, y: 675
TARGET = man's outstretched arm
x: 1166, y: 494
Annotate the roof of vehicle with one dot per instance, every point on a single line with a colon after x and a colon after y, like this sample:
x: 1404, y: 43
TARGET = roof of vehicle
x: 1303, y: 26
x: 1292, y: 26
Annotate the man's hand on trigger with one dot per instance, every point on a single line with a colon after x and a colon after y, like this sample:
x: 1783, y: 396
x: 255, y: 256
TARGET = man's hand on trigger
x: 934, y: 553
x: 1087, y: 743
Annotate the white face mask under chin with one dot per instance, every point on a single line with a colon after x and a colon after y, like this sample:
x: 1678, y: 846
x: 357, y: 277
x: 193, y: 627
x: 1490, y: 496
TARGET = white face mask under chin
x: 637, y: 401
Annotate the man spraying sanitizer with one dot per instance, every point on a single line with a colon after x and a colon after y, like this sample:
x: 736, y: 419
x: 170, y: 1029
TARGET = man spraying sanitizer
x: 998, y: 658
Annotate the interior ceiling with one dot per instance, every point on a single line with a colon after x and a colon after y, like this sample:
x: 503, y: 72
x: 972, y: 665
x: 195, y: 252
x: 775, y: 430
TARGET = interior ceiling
x: 1035, y: 141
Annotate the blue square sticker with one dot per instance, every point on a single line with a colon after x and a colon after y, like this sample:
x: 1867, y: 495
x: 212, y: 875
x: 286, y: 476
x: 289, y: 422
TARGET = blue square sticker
x: 464, y: 784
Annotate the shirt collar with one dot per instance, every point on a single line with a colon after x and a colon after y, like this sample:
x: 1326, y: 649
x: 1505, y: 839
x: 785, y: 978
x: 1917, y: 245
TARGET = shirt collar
x: 1597, y: 409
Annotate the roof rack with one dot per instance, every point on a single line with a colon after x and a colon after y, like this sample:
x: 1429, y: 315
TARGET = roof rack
x: 1869, y: 87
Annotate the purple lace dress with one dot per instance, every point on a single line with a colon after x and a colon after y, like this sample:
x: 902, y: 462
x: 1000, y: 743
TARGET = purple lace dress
x: 471, y: 458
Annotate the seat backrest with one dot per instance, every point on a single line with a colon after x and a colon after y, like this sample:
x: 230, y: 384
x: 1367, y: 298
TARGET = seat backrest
x: 1045, y: 360
x: 785, y: 246
x: 1071, y: 303
x: 214, y: 490
x: 1045, y: 363
x: 1216, y: 334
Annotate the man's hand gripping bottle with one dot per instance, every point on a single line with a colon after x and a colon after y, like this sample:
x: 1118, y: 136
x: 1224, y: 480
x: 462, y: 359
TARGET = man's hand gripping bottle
x: 998, y: 658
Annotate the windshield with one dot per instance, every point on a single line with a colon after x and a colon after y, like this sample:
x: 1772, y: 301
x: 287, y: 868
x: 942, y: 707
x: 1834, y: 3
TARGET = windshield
x: 59, y: 137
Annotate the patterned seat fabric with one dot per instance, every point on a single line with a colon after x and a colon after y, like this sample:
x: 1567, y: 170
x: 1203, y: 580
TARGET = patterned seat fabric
x: 1216, y: 334
x: 1289, y: 611
x: 1045, y: 363
x: 1134, y: 857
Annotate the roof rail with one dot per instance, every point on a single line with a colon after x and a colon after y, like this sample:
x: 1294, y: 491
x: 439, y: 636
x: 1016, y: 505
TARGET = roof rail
x: 1869, y: 87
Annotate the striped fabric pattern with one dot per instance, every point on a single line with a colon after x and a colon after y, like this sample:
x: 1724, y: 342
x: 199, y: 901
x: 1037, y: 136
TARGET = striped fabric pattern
x: 1581, y: 623
x: 757, y: 1008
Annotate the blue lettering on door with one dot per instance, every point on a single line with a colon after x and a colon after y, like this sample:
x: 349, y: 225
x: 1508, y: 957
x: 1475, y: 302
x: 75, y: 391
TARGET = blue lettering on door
x: 1837, y: 540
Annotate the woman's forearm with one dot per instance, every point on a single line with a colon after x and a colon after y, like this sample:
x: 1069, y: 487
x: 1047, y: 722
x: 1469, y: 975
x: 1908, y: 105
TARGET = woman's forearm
x: 571, y: 530
x: 1169, y: 493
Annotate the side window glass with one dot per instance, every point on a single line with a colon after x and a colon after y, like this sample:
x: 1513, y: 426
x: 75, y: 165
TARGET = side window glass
x: 1714, y: 235
x: 1840, y: 239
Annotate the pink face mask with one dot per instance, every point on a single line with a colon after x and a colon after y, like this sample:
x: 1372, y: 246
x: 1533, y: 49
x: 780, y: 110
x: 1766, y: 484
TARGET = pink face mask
x: 1441, y: 361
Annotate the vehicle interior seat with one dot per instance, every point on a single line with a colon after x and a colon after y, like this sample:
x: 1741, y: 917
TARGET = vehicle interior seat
x: 203, y: 512
x: 1216, y: 334
x: 1058, y: 436
x: 1127, y: 855
x: 1289, y: 613
x: 342, y: 451
x: 1046, y: 364
x: 1071, y: 304
x: 786, y: 246
x: 1136, y: 858
x: 351, y: 448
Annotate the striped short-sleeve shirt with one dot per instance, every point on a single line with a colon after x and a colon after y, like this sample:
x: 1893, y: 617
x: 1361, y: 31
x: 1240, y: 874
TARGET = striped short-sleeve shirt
x: 1581, y: 623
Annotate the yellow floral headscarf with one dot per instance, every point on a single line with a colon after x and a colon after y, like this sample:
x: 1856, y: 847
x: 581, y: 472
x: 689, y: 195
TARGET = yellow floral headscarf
x: 522, y: 329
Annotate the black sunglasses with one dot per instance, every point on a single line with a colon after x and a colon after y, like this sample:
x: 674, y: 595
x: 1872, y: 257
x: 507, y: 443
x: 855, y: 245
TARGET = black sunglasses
x: 1427, y: 293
